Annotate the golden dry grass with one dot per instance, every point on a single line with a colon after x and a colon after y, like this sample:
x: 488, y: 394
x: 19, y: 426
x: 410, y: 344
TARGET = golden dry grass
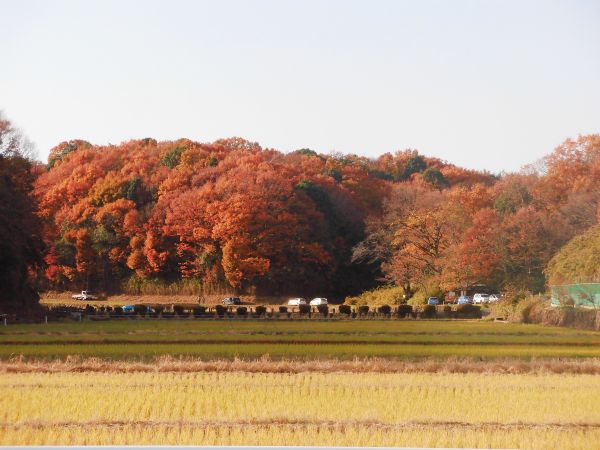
x: 53, y: 298
x: 64, y: 298
x: 306, y: 408
x: 168, y: 363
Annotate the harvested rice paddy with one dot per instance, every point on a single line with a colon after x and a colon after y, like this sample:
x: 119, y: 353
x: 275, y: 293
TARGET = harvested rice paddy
x: 257, y: 382
x: 311, y: 408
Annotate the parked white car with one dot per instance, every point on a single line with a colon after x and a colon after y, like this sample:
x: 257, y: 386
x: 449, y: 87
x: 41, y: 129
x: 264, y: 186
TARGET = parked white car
x: 318, y: 301
x: 85, y: 295
x: 481, y: 298
x: 296, y: 302
x: 494, y: 298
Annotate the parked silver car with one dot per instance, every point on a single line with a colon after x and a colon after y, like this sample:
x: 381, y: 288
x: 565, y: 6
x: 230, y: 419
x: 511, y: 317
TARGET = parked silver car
x: 232, y: 301
x: 481, y: 298
x: 464, y: 300
x: 318, y: 301
x: 296, y: 301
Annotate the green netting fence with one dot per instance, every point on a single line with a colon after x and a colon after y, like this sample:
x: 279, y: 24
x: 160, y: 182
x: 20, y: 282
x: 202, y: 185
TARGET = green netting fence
x: 582, y: 294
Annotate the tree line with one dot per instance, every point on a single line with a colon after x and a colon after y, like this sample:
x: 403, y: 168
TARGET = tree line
x: 232, y: 216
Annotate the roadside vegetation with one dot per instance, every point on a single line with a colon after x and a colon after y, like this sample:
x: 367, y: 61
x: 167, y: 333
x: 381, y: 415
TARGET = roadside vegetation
x: 578, y: 261
x: 383, y: 295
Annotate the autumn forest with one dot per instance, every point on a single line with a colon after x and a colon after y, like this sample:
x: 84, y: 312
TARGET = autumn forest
x: 230, y: 216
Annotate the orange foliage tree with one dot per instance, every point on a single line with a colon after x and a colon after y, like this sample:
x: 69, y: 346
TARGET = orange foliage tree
x: 233, y: 215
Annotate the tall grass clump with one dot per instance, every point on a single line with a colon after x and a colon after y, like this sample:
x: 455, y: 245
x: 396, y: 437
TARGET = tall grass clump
x: 430, y: 289
x: 187, y: 286
x: 386, y: 295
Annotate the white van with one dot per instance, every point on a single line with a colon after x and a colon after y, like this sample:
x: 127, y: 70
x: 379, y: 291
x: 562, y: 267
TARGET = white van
x: 318, y: 301
x: 481, y: 298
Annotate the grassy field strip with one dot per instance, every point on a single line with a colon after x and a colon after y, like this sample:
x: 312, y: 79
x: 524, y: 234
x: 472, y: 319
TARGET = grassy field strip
x: 257, y: 333
x: 427, y: 327
x: 276, y: 350
x: 312, y: 338
x: 135, y: 328
x: 251, y: 339
x: 474, y: 410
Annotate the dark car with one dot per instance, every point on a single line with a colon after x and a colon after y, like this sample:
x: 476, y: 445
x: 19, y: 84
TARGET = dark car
x: 232, y: 301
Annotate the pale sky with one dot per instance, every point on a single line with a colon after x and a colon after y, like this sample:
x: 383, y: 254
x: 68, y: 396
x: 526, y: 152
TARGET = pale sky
x: 483, y: 84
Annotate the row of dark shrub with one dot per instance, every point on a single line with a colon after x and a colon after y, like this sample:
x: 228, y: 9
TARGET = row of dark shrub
x: 363, y: 311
